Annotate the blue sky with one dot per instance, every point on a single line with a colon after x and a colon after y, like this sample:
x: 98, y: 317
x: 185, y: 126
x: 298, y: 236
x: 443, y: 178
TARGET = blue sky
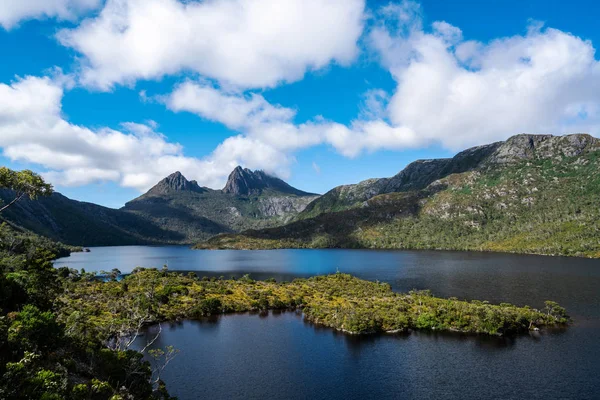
x: 104, y: 102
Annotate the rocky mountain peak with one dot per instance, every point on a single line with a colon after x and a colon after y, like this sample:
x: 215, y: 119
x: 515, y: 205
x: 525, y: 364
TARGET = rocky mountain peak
x: 244, y: 182
x: 528, y: 146
x: 175, y: 182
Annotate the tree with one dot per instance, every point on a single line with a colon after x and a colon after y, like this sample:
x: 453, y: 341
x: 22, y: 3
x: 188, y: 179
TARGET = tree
x: 23, y: 183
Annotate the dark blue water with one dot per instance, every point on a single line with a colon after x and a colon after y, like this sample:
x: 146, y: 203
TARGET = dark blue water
x: 281, y: 356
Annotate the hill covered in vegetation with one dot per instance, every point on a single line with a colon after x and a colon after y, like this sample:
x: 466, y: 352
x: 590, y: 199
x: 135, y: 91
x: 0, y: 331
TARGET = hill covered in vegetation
x: 531, y: 194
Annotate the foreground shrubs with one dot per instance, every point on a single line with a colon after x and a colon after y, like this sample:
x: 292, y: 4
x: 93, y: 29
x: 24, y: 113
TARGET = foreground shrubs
x: 42, y: 357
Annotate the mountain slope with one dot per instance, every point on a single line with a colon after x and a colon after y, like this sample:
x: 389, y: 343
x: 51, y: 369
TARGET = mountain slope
x: 82, y: 224
x: 419, y: 174
x: 531, y: 194
x: 250, y: 199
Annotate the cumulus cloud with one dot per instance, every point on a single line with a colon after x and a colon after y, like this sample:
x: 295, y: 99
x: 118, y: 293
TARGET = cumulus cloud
x: 460, y: 93
x: 273, y: 125
x: 450, y: 92
x: 32, y: 129
x: 12, y: 12
x: 244, y: 43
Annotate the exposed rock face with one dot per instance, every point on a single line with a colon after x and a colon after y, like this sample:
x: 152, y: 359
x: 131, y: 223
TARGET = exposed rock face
x: 524, y: 146
x: 286, y: 207
x: 419, y: 174
x: 245, y: 182
x: 176, y: 182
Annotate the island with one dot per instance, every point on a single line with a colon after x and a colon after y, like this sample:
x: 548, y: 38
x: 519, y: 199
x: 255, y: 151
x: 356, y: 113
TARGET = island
x: 115, y: 308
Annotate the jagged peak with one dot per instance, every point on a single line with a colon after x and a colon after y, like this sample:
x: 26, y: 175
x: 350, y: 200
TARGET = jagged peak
x: 244, y: 182
x: 175, y: 182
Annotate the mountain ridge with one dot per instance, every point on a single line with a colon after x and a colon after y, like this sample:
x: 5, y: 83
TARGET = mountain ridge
x: 245, y: 182
x: 529, y: 194
x: 420, y: 173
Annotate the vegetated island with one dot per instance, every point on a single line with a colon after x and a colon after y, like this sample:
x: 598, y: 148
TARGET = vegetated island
x: 112, y: 309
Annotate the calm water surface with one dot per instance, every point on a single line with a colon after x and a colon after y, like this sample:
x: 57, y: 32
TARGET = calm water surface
x: 281, y: 356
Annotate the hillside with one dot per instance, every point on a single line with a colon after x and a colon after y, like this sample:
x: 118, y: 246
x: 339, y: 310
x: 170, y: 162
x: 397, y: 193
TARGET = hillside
x: 175, y: 211
x: 80, y: 223
x: 531, y: 194
x: 417, y: 175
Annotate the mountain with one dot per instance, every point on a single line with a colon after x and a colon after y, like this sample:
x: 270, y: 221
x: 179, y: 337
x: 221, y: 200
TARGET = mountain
x: 530, y: 194
x: 417, y: 175
x: 174, y: 183
x: 250, y: 199
x: 244, y: 182
x: 175, y: 210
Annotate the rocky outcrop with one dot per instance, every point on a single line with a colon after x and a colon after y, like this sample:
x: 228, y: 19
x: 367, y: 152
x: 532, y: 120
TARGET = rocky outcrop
x: 528, y: 147
x: 245, y: 182
x: 285, y: 207
x: 174, y: 183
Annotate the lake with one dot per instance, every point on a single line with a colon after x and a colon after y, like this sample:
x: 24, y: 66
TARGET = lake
x: 281, y: 356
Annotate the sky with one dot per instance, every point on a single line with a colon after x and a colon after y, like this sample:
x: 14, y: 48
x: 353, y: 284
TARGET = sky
x: 106, y: 97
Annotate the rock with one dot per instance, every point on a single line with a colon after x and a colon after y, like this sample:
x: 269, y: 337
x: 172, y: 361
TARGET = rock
x: 175, y: 182
x: 244, y: 182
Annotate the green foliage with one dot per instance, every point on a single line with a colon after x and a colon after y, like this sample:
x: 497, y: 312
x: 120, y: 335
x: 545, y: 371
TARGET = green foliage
x: 207, y: 307
x: 34, y: 330
x: 339, y: 301
x: 23, y: 183
x: 42, y: 358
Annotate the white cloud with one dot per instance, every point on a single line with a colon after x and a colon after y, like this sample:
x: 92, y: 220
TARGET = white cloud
x: 235, y: 111
x: 461, y: 93
x: 273, y: 125
x: 12, y: 12
x: 33, y: 130
x: 244, y: 43
x: 450, y: 92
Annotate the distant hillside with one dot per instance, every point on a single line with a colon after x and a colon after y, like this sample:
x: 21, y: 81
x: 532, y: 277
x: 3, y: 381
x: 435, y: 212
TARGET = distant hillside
x: 174, y: 211
x: 531, y: 194
x: 82, y: 224
x: 417, y: 175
